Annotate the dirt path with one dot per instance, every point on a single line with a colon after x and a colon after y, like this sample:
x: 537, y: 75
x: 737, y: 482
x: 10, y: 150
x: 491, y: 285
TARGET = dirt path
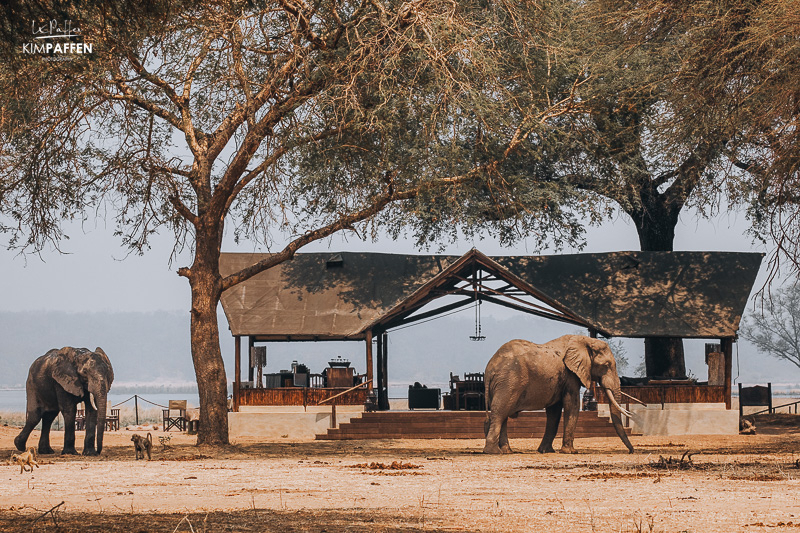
x: 741, y: 483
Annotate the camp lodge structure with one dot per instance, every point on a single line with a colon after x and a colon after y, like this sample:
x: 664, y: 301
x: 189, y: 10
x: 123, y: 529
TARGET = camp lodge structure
x: 362, y: 297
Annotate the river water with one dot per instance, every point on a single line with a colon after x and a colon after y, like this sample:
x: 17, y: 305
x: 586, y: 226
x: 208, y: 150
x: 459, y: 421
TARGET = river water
x: 13, y: 401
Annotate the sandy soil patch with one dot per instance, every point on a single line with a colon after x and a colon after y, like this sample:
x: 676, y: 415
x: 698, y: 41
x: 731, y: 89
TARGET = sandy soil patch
x: 736, y: 483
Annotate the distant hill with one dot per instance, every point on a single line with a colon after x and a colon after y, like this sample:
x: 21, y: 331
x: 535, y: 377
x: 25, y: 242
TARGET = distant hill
x: 152, y: 349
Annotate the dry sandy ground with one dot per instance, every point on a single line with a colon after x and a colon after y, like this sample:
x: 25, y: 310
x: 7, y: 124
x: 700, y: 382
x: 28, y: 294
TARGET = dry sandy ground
x: 737, y: 483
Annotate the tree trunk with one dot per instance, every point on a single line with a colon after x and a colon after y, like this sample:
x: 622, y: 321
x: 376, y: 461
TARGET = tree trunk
x: 212, y: 384
x: 655, y: 225
x: 663, y: 357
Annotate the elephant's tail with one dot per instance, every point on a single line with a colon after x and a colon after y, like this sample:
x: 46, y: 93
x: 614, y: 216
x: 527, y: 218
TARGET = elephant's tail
x: 487, y: 393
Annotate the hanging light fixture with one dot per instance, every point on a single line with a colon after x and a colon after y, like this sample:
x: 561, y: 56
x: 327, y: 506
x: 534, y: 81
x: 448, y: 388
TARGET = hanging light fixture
x: 477, y: 336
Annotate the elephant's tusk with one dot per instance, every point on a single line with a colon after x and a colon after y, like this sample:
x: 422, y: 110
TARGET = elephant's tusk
x: 91, y: 400
x: 613, y: 401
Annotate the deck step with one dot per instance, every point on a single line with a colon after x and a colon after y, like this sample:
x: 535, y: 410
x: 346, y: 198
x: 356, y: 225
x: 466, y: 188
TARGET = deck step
x: 455, y: 425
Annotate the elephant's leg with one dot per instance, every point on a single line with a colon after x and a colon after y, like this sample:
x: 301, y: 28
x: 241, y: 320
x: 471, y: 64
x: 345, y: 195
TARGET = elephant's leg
x: 571, y: 404
x: 91, y: 429
x: 44, y: 438
x: 503, y: 441
x: 551, y: 428
x: 32, y: 417
x: 69, y: 412
x: 493, y: 428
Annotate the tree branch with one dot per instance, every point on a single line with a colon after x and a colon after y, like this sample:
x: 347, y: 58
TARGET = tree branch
x: 346, y: 222
x: 129, y: 95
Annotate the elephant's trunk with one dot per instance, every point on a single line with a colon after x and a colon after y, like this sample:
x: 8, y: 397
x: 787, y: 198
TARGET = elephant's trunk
x: 616, y: 419
x: 101, y: 400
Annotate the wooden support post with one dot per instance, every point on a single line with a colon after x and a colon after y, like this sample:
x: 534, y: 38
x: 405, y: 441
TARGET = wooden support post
x: 237, y: 372
x: 379, y: 370
x: 369, y: 359
x: 260, y: 373
x: 333, y: 416
x: 250, y: 343
x: 385, y: 372
x: 727, y: 348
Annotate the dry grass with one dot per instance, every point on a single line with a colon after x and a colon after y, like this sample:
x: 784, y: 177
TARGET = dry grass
x: 734, y: 483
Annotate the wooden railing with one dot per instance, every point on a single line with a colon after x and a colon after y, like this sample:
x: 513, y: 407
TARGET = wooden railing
x: 774, y: 409
x: 661, y: 394
x: 301, y: 396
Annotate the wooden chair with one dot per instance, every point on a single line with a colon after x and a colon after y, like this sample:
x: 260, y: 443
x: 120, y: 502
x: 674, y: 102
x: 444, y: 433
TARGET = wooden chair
x: 469, y: 394
x: 112, y: 420
x: 756, y: 395
x: 175, y: 416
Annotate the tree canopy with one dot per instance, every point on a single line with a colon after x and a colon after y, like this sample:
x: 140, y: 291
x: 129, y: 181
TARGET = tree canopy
x: 739, y: 60
x: 278, y: 115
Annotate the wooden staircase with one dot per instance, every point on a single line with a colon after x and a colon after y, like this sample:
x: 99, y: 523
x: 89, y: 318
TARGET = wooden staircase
x: 457, y: 425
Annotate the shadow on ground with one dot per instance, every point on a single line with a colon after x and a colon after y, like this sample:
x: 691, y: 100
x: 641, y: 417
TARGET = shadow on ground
x: 331, y: 521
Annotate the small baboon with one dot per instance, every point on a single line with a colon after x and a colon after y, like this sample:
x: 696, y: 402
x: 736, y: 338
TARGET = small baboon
x: 142, y: 444
x: 26, y: 458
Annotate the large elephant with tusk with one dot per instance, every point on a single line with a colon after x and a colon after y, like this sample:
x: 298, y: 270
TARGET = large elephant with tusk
x: 524, y: 376
x: 57, y: 382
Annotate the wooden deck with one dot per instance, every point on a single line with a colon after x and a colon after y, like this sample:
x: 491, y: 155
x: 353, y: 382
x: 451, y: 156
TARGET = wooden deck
x: 456, y: 425
x: 300, y: 396
x: 660, y: 394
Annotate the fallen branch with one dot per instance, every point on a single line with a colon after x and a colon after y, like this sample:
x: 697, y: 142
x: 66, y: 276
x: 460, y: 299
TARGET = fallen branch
x: 181, y: 522
x: 52, y: 514
x: 684, y: 462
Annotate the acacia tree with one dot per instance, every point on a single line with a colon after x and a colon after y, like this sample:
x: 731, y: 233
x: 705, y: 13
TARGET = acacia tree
x: 740, y: 58
x: 697, y: 104
x: 631, y: 149
x: 198, y: 114
x: 635, y: 144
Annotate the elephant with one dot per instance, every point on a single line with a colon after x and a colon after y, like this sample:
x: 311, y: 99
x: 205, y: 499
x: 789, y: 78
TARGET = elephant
x: 57, y: 382
x: 524, y: 376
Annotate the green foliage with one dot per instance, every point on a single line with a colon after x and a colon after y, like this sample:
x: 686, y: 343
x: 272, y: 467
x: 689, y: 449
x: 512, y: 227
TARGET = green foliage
x: 466, y: 119
x: 736, y: 77
x: 277, y: 116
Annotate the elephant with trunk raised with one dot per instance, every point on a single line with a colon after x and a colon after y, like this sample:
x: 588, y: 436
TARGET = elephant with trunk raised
x: 57, y: 382
x: 523, y: 376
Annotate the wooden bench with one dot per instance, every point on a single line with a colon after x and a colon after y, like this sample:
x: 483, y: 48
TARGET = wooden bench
x: 112, y: 420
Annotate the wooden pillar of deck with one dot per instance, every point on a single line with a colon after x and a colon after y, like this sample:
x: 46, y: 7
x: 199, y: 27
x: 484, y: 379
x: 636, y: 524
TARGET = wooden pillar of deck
x: 383, y: 381
x: 237, y: 372
x: 727, y: 349
x: 251, y: 341
x: 369, y: 360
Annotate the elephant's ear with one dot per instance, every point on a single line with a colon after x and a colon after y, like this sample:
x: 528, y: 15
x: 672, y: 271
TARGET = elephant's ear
x: 65, y: 372
x: 577, y: 359
x: 107, y: 361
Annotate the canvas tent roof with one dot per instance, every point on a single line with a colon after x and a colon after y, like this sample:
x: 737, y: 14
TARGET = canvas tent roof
x: 632, y: 294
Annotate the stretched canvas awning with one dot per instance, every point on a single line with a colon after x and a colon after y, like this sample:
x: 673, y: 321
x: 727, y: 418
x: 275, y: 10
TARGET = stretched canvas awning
x: 338, y: 296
